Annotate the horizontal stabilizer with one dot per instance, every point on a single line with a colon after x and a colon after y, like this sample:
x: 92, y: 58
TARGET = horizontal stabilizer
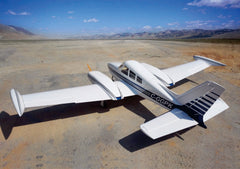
x: 176, y: 120
x: 170, y: 122
x: 218, y: 107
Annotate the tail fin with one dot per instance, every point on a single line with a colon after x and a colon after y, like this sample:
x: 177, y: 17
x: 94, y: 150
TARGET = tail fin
x: 197, y: 101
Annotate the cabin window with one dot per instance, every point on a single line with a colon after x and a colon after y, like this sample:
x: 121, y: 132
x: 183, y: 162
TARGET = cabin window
x: 125, y: 70
x: 139, y: 80
x: 132, y: 75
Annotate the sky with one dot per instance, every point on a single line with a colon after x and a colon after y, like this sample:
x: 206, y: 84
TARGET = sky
x: 89, y: 17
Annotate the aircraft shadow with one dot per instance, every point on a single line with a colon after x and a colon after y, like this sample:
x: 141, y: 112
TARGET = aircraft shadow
x: 138, y: 140
x: 8, y: 122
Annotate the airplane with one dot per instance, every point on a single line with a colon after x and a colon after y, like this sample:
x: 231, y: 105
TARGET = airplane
x: 130, y: 78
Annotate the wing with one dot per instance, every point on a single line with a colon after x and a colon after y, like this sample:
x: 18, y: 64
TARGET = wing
x: 176, y: 120
x: 180, y: 72
x: 81, y: 94
x: 174, y: 74
x: 70, y: 95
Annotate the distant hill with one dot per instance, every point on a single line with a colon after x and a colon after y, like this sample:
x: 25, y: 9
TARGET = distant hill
x: 9, y: 32
x: 175, y: 34
x: 22, y: 30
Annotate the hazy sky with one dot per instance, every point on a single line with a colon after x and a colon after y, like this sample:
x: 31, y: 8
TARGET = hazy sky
x: 70, y: 17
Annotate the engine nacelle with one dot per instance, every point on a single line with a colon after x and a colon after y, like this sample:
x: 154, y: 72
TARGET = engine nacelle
x: 106, y: 83
x: 159, y: 74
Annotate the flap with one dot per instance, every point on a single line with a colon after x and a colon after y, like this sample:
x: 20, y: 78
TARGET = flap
x: 125, y: 89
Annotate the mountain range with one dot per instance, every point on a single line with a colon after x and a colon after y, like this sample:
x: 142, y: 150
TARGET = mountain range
x: 176, y: 34
x: 10, y: 32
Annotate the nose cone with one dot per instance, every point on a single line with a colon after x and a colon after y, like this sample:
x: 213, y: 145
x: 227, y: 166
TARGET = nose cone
x: 114, y: 65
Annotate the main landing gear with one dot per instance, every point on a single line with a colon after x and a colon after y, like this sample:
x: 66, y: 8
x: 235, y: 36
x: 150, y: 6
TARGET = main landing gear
x: 103, y: 104
x: 113, y: 78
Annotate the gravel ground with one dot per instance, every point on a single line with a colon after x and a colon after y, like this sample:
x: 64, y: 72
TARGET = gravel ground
x: 88, y: 136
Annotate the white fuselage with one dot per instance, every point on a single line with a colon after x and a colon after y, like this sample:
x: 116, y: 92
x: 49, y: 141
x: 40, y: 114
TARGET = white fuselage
x: 143, y: 82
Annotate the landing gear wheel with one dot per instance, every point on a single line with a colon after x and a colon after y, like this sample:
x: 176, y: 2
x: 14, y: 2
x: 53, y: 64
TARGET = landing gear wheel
x: 103, y: 104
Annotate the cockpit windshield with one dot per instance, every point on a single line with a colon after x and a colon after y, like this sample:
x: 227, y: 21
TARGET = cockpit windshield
x: 124, y: 69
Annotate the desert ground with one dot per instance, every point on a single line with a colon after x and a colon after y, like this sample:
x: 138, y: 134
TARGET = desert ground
x: 89, y: 136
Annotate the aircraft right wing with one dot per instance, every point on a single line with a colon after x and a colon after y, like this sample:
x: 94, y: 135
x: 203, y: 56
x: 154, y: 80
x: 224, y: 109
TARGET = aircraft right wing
x: 174, y: 74
x: 180, y: 72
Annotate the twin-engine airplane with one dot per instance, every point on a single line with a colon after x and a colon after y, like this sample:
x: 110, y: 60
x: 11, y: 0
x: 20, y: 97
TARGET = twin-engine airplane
x: 193, y: 107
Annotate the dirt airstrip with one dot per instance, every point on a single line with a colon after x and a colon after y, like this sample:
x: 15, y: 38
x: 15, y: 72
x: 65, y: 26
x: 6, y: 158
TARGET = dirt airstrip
x: 88, y: 136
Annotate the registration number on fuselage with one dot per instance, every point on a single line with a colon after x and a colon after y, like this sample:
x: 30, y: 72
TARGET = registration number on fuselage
x: 159, y: 100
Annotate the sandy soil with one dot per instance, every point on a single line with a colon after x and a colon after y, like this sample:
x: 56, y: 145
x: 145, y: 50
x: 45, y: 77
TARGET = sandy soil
x: 88, y: 136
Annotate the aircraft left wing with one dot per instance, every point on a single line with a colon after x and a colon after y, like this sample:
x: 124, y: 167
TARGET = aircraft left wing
x: 63, y: 96
x: 83, y: 94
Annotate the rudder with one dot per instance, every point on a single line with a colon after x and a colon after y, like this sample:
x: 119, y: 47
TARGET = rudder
x: 197, y: 101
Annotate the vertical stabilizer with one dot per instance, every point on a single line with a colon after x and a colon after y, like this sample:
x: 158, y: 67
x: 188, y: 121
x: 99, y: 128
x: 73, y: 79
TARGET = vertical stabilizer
x: 197, y: 101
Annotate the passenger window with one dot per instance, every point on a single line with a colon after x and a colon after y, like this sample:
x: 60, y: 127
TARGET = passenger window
x: 125, y: 70
x: 132, y: 75
x: 139, y: 79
